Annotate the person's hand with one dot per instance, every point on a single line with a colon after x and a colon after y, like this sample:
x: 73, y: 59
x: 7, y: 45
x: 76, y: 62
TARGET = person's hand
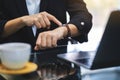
x: 48, y: 39
x: 40, y: 20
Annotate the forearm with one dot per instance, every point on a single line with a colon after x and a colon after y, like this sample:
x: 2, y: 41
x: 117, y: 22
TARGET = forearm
x: 81, y: 18
x: 73, y: 30
x: 64, y: 31
x: 79, y: 14
x: 12, y: 26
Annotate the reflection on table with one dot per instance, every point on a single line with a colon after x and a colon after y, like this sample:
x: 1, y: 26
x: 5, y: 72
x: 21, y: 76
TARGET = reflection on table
x: 50, y: 71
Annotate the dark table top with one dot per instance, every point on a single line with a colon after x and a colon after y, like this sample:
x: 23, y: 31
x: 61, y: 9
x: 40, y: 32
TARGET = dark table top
x: 49, y: 67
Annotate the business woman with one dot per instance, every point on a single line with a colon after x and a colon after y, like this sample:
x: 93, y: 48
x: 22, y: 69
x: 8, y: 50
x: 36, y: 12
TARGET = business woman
x: 39, y: 22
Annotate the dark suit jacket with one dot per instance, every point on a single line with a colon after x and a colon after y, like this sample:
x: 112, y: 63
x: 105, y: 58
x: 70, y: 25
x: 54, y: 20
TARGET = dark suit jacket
x: 10, y: 9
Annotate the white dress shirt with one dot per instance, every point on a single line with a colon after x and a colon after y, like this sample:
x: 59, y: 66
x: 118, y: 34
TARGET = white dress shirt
x: 33, y: 7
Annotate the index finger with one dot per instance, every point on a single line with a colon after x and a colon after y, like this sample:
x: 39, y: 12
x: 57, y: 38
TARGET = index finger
x: 54, y: 19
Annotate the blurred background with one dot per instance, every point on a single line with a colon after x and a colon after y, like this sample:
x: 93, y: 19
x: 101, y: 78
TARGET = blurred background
x: 100, y: 10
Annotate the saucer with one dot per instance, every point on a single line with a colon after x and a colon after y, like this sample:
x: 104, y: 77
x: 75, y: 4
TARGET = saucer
x: 29, y: 67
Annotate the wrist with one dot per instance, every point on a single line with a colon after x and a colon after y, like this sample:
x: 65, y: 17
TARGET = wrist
x: 61, y: 32
x: 68, y: 31
x: 26, y: 21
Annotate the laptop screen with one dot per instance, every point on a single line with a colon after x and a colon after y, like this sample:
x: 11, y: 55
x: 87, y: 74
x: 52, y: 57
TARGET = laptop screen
x: 108, y: 53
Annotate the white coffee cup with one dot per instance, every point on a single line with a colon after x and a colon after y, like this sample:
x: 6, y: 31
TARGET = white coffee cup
x: 15, y: 55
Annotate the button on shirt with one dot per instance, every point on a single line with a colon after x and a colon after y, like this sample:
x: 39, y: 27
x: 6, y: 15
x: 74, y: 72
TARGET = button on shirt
x: 33, y: 7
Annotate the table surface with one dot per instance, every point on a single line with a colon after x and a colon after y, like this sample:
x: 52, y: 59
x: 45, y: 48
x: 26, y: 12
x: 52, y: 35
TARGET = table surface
x: 49, y: 67
x: 52, y: 68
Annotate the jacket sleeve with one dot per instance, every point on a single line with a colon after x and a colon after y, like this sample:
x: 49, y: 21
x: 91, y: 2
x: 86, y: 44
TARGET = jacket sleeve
x: 3, y: 20
x: 80, y: 17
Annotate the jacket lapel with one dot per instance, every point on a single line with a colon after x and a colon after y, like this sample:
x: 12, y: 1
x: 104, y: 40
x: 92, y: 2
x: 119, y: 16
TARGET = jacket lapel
x: 21, y: 6
x: 43, y: 5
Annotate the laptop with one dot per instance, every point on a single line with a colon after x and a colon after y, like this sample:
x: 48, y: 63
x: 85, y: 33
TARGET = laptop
x: 108, y: 52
